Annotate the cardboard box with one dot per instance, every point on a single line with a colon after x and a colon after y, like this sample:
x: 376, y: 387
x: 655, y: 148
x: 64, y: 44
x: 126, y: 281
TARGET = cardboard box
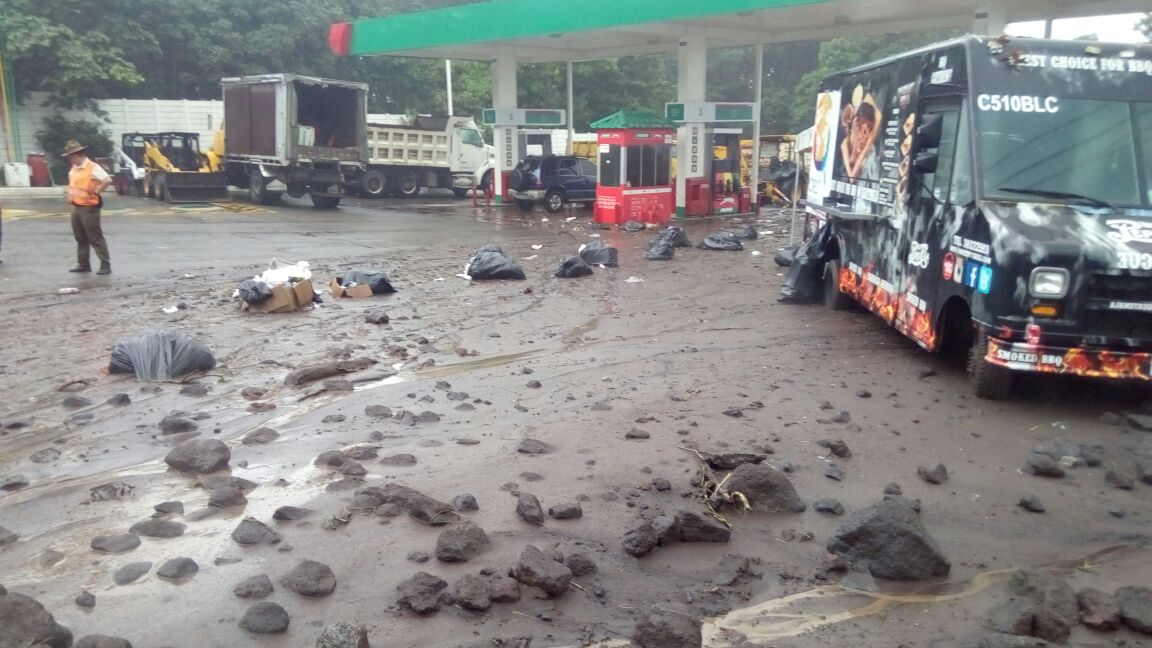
x: 339, y: 291
x: 286, y: 299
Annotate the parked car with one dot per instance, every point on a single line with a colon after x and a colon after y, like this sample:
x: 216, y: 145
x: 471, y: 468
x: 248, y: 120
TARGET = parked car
x: 554, y: 180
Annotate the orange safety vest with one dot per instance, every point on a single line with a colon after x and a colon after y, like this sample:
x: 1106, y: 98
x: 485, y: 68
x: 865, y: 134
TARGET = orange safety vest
x: 81, y: 186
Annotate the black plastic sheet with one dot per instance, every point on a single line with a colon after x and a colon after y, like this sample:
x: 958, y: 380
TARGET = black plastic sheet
x: 253, y: 291
x: 634, y: 226
x: 494, y: 265
x: 676, y: 236
x: 160, y: 355
x: 748, y: 233
x: 785, y: 256
x: 722, y: 241
x: 804, y: 283
x: 572, y: 268
x: 660, y: 249
x: 599, y: 253
x: 377, y: 279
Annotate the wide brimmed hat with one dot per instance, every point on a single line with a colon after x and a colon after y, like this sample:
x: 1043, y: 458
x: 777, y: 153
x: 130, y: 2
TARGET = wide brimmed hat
x: 72, y: 147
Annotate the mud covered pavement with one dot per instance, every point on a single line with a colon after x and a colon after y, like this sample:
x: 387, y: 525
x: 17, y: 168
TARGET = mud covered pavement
x: 525, y: 463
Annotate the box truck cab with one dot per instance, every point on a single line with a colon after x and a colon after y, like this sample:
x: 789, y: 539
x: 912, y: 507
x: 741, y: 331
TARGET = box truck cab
x: 993, y: 196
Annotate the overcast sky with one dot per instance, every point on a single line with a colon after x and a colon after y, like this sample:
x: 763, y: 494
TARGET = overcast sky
x: 1117, y: 29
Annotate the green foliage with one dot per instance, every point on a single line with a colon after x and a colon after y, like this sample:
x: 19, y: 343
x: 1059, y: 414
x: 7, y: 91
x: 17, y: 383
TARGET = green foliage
x: 1145, y: 27
x: 844, y: 53
x: 58, y: 130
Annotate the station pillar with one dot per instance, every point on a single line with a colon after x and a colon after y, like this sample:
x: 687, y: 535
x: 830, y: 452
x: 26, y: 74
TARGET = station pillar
x: 990, y: 19
x: 692, y: 139
x: 505, y: 138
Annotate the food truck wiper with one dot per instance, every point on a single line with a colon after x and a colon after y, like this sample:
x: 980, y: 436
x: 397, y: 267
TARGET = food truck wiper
x: 1062, y: 195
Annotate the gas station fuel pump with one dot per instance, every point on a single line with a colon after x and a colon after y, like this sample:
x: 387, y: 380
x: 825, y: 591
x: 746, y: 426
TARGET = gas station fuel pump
x: 725, y: 172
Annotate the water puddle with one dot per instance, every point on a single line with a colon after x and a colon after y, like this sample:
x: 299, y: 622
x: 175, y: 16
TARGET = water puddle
x: 802, y: 612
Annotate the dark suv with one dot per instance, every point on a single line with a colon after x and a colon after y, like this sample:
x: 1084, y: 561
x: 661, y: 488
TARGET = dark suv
x: 553, y: 180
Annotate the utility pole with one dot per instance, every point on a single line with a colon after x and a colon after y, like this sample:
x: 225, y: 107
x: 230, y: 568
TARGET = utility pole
x: 448, y: 83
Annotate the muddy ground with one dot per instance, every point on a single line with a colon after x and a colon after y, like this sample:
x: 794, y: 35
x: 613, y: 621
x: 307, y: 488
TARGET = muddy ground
x: 699, y: 335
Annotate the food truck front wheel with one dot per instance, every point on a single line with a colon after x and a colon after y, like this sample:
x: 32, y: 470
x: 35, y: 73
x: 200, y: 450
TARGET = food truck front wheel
x: 833, y: 298
x: 989, y: 381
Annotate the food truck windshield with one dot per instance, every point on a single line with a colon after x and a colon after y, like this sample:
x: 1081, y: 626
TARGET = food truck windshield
x: 1065, y: 127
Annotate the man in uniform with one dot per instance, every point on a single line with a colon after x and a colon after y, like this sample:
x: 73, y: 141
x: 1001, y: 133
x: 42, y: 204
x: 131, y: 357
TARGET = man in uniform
x: 86, y: 180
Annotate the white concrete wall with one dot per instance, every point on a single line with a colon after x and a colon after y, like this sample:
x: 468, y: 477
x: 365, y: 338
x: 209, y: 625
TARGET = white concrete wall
x: 123, y: 116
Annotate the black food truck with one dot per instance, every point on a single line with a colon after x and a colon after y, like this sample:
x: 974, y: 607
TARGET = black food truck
x: 993, y: 196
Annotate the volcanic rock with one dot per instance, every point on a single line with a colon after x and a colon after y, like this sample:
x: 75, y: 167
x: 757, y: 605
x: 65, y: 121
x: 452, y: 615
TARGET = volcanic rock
x: 116, y: 543
x: 431, y: 511
x: 580, y: 564
x: 253, y: 532
x: 768, y: 490
x: 1098, y: 610
x: 199, y: 456
x: 1040, y: 605
x: 290, y: 513
x: 1136, y: 608
x: 529, y: 509
x: 828, y: 505
x: 257, y: 586
x: 158, y: 528
x: 889, y: 541
x: 937, y: 474
x: 534, y: 447
x: 102, y: 641
x: 176, y: 425
x: 310, y: 578
x: 26, y: 623
x: 472, y: 593
x: 131, y: 572
x: 465, y: 502
x: 697, y: 528
x: 421, y: 593
x: 731, y: 460
x: 566, y: 511
x: 536, y: 569
x: 664, y: 628
x: 343, y: 635
x: 260, y: 436
x: 265, y: 618
x: 177, y: 568
x: 460, y: 542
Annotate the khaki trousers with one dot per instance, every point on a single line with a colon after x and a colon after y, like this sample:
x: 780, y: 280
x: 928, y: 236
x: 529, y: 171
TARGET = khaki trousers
x: 87, y: 232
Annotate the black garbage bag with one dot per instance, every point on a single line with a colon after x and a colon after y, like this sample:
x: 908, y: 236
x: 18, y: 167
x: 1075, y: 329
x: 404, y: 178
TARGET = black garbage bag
x: 572, y: 268
x: 598, y: 253
x: 748, y: 233
x: 676, y: 236
x: 254, y: 291
x: 375, y: 278
x: 784, y: 256
x: 723, y: 241
x: 634, y: 226
x: 160, y: 355
x: 803, y: 285
x: 494, y: 265
x: 489, y: 247
x: 660, y: 249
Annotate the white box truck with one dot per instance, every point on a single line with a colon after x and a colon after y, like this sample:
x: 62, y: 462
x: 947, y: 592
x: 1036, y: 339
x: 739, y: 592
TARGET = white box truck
x: 295, y: 134
x: 407, y: 153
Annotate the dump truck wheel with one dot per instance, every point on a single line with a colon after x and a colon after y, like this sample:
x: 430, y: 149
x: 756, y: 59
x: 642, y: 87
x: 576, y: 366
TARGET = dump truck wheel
x: 989, y: 381
x: 257, y: 189
x: 833, y: 298
x: 325, y: 202
x: 407, y: 185
x: 460, y: 193
x: 374, y: 184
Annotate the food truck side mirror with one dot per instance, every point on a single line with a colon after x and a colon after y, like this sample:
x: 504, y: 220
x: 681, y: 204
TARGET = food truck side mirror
x: 930, y: 130
x: 925, y: 163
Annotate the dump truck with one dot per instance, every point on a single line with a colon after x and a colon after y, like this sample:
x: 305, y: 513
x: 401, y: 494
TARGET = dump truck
x: 176, y: 170
x: 304, y: 136
x: 408, y: 153
x: 992, y: 198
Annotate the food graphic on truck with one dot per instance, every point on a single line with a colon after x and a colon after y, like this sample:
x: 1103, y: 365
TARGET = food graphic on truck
x: 992, y: 197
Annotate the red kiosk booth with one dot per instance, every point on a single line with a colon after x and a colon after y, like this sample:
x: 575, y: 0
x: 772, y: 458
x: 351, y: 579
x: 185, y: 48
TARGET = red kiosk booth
x: 635, y: 180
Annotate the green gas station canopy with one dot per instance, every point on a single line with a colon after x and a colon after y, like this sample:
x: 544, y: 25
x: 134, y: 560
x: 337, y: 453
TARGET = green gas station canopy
x: 534, y: 31
x: 632, y: 119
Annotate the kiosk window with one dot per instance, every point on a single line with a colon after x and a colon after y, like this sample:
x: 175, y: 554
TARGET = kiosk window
x: 939, y: 184
x: 610, y: 167
x: 1144, y: 136
x: 648, y: 165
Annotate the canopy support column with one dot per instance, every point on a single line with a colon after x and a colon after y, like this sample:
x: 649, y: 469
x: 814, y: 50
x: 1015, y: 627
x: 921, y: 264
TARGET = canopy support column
x: 754, y: 165
x: 692, y: 142
x: 504, y: 137
x: 991, y: 19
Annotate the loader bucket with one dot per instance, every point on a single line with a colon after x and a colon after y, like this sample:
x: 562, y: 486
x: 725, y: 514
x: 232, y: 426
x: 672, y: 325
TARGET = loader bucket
x: 194, y: 187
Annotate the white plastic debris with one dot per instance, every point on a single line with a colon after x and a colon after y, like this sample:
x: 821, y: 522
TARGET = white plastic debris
x: 633, y: 280
x: 170, y: 309
x: 594, y: 235
x: 531, y: 257
x: 543, y: 220
x: 438, y: 279
x: 68, y: 291
x: 537, y: 247
x: 569, y: 219
x: 755, y: 252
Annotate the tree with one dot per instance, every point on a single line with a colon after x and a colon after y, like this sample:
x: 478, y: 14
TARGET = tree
x: 71, y: 49
x: 843, y: 53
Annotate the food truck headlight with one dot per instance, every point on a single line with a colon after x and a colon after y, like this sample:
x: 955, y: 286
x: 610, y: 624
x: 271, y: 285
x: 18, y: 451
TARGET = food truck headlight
x: 1049, y: 283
